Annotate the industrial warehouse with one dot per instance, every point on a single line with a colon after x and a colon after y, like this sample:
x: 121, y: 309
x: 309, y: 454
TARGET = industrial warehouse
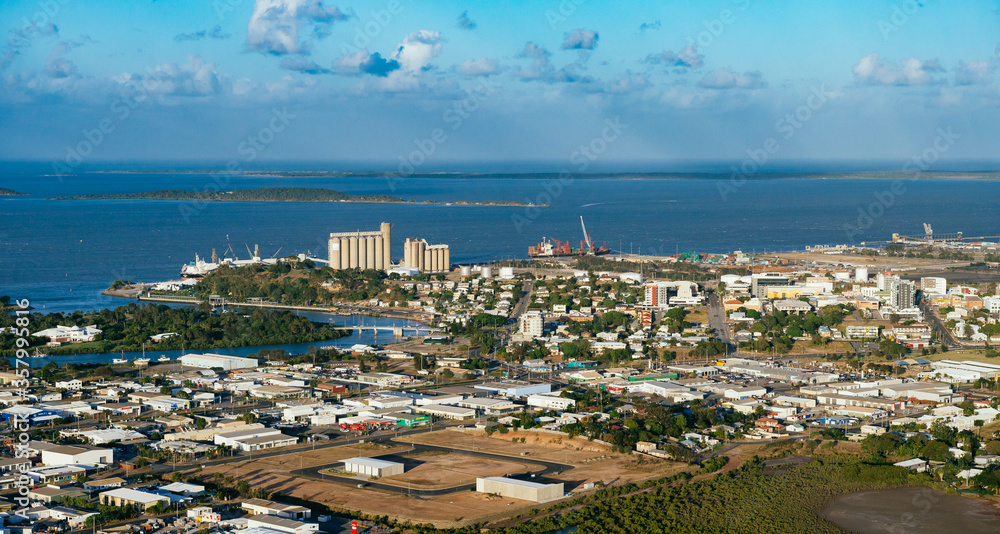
x: 519, y: 489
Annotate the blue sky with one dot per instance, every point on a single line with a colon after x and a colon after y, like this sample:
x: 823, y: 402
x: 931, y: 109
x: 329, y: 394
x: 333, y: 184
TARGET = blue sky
x: 364, y: 84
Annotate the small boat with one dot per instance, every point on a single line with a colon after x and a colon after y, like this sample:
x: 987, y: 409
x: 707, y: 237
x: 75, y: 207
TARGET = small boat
x: 141, y: 360
x: 118, y: 361
x: 39, y: 354
x: 163, y: 358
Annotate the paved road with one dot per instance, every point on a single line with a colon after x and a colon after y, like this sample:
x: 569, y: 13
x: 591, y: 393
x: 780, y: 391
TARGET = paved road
x: 315, y: 472
x: 524, y: 301
x: 943, y: 333
x: 717, y: 319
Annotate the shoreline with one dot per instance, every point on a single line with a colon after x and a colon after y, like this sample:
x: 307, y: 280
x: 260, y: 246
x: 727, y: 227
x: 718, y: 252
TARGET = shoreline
x: 329, y: 310
x: 977, y: 175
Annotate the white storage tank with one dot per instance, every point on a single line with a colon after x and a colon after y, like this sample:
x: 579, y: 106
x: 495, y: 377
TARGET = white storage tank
x: 506, y: 272
x: 466, y: 271
x: 861, y: 274
x: 487, y: 272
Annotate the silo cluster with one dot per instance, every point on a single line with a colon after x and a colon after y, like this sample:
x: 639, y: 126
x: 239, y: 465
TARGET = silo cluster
x: 361, y: 250
x: 427, y: 258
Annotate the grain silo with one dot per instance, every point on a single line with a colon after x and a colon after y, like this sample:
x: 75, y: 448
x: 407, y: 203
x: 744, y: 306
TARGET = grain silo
x: 379, y: 253
x: 386, y: 234
x: 354, y: 252
x: 334, y: 253
x: 369, y: 262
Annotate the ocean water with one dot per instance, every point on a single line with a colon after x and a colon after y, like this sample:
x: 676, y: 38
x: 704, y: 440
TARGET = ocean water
x: 61, y: 253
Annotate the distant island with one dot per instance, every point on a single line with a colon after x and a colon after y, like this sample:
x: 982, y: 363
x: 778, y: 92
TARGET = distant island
x: 279, y: 194
x: 720, y: 175
x: 11, y: 193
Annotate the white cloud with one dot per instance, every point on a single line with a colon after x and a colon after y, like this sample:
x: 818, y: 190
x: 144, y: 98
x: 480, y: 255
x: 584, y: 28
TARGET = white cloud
x: 478, y: 67
x: 873, y: 70
x: 687, y: 58
x: 56, y: 65
x: 417, y: 50
x: 973, y: 72
x: 362, y: 62
x: 580, y: 39
x: 196, y: 77
x: 628, y: 83
x: 726, y: 78
x: 276, y: 25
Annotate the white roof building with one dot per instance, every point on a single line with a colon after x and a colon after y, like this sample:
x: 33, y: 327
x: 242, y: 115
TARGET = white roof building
x: 70, y: 334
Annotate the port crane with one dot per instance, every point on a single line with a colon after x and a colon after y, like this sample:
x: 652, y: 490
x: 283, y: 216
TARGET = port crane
x: 586, y: 236
x: 929, y: 238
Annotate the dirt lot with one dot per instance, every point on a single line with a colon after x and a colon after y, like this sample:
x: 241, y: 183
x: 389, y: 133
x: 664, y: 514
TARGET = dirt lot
x: 439, y: 469
x: 592, y: 462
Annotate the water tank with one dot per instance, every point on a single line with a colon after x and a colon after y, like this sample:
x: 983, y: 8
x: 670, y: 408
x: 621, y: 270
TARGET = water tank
x: 487, y: 272
x: 506, y: 272
x: 466, y: 271
x: 861, y: 274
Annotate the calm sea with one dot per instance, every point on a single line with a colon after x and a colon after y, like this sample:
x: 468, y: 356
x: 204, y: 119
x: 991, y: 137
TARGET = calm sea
x: 61, y: 254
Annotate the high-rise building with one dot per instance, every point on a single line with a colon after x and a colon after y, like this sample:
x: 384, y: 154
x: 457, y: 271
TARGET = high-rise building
x: 531, y: 324
x: 656, y: 295
x: 902, y: 294
x: 760, y: 282
x: 934, y: 285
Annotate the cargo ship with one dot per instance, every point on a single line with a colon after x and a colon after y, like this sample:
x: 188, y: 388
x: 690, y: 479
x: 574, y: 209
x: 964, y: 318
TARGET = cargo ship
x: 553, y: 248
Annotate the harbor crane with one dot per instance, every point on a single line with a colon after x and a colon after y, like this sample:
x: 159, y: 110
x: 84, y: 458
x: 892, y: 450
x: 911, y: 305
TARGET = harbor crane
x: 586, y: 236
x: 929, y: 238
